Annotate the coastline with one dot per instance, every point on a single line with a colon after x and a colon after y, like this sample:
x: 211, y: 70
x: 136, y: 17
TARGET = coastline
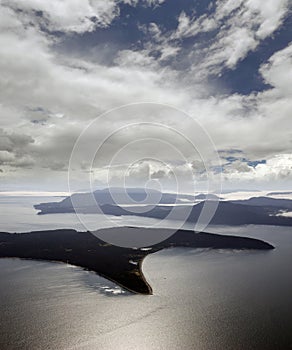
x: 85, y: 250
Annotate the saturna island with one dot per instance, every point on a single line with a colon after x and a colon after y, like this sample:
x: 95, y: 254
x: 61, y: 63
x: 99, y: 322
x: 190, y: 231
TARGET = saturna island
x: 121, y: 265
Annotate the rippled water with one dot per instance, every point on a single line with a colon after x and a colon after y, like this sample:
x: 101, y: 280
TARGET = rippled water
x: 203, y: 299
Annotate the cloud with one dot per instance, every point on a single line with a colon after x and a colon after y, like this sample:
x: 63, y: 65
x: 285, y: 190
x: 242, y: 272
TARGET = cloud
x: 158, y: 174
x: 6, y: 157
x: 51, y: 96
x: 153, y: 3
x: 70, y: 16
x: 14, y: 150
x: 237, y: 166
x: 150, y: 173
x: 238, y: 27
x: 15, y: 160
x: 14, y: 141
x: 140, y: 171
x: 276, y: 168
x: 67, y: 15
x: 246, y: 24
x: 277, y: 72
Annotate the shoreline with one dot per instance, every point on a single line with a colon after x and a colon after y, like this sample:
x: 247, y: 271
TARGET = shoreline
x: 85, y: 250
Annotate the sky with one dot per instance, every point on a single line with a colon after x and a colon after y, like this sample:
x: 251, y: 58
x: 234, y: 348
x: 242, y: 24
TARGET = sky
x: 140, y: 79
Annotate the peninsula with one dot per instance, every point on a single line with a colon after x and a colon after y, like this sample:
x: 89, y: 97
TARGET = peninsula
x: 121, y: 265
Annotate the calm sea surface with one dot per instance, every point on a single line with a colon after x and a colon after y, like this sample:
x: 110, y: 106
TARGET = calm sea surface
x: 203, y: 299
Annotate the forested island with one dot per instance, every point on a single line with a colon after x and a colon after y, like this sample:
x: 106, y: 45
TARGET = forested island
x: 121, y: 265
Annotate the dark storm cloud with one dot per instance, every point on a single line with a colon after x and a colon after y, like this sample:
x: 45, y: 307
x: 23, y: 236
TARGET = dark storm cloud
x: 14, y: 141
x: 14, y: 150
x: 158, y: 174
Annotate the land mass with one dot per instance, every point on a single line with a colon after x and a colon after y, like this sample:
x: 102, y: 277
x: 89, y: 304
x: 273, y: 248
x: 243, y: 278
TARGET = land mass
x: 121, y: 265
x: 254, y: 211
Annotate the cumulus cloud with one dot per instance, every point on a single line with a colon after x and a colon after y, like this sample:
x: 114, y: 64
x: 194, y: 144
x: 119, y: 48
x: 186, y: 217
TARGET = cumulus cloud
x: 277, y: 72
x: 276, y: 168
x: 6, y: 157
x: 140, y: 172
x: 14, y: 150
x: 14, y: 141
x: 70, y: 16
x: 150, y: 173
x: 159, y: 174
x: 50, y: 97
x: 67, y: 15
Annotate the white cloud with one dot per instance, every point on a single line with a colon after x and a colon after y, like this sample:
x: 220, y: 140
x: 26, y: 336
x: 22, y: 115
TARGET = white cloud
x: 278, y: 72
x: 68, y: 15
x: 271, y: 14
x: 154, y: 2
x: 240, y: 25
x: 230, y: 48
x: 134, y: 58
x: 276, y: 168
x: 237, y: 27
x: 72, y: 16
x: 37, y: 87
x: 50, y: 98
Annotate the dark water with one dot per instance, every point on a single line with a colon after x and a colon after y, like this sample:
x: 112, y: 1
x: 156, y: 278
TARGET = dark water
x: 202, y: 299
x: 18, y: 215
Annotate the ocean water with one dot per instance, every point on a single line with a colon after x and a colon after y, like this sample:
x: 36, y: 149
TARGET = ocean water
x: 203, y: 299
x: 18, y: 215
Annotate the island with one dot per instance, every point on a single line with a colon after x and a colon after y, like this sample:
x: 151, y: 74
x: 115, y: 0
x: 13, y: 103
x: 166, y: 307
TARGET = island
x: 121, y: 265
x: 253, y: 211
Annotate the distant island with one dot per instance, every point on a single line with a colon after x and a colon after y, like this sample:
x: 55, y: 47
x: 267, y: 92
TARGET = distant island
x: 279, y: 193
x: 121, y: 265
x: 111, y: 201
